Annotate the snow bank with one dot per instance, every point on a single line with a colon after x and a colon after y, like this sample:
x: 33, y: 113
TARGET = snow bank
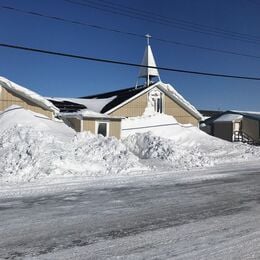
x: 33, y: 146
x: 31, y: 149
x: 180, y: 146
x: 149, y: 146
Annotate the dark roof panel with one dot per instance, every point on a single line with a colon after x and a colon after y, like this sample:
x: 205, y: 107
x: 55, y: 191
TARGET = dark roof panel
x: 120, y: 96
x: 67, y: 106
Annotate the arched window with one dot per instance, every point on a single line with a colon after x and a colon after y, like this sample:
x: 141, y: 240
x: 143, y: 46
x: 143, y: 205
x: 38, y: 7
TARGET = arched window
x: 155, y: 98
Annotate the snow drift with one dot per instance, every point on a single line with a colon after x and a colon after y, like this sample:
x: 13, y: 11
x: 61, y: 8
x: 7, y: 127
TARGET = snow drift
x: 33, y: 146
x: 30, y: 148
x: 180, y: 146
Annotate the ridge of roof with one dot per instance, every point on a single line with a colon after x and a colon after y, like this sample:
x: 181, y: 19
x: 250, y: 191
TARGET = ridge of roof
x: 115, y: 92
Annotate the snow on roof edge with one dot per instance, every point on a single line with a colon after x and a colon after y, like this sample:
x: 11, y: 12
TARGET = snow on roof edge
x: 170, y: 89
x: 29, y: 94
x: 87, y: 113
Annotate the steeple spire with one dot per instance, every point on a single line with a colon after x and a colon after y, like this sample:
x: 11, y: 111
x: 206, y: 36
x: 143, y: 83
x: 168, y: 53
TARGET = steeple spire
x: 148, y: 61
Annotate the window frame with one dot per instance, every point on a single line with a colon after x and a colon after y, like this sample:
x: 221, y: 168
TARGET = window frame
x: 102, y: 122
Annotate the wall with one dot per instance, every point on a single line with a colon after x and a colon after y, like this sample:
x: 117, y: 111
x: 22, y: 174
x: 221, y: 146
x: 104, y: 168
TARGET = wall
x: 89, y: 125
x: 180, y: 114
x: 8, y: 98
x: 73, y: 123
x: 223, y: 130
x: 251, y: 127
x: 115, y: 128
x: 137, y: 107
x: 134, y: 108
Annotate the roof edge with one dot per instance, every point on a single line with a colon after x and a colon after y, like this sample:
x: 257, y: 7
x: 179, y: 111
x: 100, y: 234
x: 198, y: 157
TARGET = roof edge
x: 28, y: 94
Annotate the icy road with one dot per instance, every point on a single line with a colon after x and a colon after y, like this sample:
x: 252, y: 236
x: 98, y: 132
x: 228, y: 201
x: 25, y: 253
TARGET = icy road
x: 209, y: 216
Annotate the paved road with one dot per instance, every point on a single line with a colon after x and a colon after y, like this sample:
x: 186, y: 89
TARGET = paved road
x: 143, y: 219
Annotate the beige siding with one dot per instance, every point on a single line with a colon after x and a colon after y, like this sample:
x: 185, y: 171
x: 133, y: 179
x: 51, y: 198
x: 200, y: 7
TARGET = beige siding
x: 115, y: 128
x: 113, y: 124
x: 89, y: 125
x: 180, y: 114
x: 135, y: 107
x: 251, y: 127
x: 74, y: 123
x: 8, y: 98
x: 223, y: 130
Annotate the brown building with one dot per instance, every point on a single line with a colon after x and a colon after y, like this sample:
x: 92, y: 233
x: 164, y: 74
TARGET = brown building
x: 153, y: 96
x: 13, y: 94
x: 234, y: 126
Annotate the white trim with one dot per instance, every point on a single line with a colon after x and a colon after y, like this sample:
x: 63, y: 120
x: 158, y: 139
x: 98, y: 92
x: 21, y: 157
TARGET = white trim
x: 81, y: 125
x: 97, y: 122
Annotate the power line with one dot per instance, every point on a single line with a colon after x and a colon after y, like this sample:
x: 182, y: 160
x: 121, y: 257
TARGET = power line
x: 114, y: 10
x: 181, y: 21
x: 99, y: 27
x: 62, y: 54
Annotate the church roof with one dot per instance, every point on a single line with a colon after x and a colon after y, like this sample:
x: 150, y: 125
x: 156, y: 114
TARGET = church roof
x: 120, y: 97
x: 28, y: 94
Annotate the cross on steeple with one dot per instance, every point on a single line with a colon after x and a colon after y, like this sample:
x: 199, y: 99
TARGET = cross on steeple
x: 148, y: 36
x: 148, y: 61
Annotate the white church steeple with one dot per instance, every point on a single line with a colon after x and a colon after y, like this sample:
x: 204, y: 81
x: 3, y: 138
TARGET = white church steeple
x: 148, y: 60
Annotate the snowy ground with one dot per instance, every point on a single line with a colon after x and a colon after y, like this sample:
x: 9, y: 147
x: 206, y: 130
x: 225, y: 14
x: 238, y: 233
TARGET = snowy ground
x: 173, y: 192
x: 196, y: 215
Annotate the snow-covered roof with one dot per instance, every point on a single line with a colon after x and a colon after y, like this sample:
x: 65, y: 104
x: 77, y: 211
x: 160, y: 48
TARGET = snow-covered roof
x: 28, y: 94
x: 228, y: 118
x: 86, y: 113
x: 170, y: 91
x: 93, y: 104
x: 106, y: 103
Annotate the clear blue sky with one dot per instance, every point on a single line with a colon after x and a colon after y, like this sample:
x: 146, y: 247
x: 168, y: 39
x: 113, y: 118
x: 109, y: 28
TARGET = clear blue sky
x: 58, y: 76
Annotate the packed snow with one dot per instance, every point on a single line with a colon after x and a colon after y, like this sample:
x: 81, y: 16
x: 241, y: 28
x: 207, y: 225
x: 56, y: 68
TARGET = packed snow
x: 34, y: 147
x: 160, y: 139
x: 83, y: 113
x: 228, y: 118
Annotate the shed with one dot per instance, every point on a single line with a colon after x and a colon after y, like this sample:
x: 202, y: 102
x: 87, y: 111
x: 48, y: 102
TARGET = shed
x: 234, y: 126
x: 87, y: 120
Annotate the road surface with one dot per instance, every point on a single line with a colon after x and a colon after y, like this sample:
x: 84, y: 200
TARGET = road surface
x: 143, y: 218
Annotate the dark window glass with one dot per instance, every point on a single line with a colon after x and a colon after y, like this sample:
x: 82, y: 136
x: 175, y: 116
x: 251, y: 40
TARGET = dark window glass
x: 102, y: 129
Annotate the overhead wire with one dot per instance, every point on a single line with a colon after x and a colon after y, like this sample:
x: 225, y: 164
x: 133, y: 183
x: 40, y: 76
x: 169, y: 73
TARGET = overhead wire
x: 114, y: 10
x: 175, y: 20
x: 74, y: 56
x: 99, y: 27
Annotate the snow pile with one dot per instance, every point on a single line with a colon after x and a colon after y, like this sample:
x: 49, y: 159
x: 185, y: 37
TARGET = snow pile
x: 30, y: 150
x: 149, y: 146
x: 177, y: 146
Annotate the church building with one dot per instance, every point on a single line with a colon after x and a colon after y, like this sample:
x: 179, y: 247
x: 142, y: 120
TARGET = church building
x: 153, y: 96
